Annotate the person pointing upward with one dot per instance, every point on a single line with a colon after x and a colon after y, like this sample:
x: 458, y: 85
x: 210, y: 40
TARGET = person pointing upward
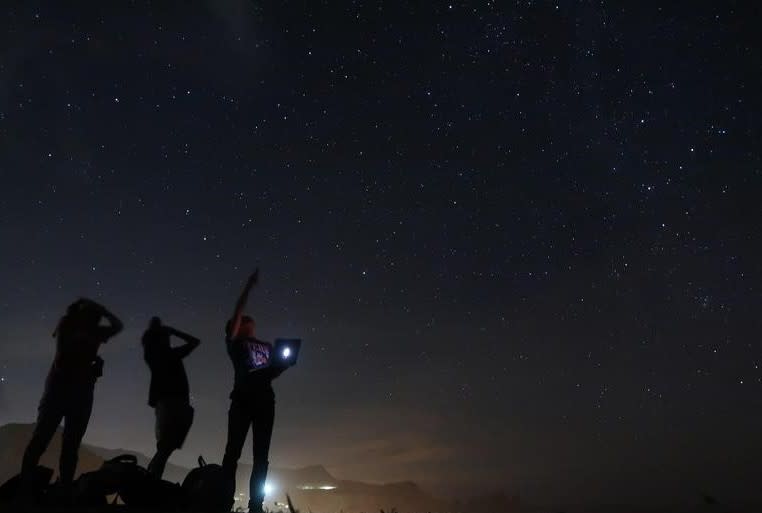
x: 252, y: 401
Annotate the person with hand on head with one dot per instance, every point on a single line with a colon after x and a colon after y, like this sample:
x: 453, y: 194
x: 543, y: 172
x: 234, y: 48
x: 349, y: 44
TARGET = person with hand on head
x: 70, y: 384
x: 169, y: 393
x: 252, y: 399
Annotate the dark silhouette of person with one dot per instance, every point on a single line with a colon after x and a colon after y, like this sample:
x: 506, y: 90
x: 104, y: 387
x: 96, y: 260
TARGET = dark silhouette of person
x: 252, y: 399
x: 168, y: 394
x: 69, y: 387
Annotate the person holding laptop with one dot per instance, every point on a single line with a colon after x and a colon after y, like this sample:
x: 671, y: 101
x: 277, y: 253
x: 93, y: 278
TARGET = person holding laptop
x: 252, y: 401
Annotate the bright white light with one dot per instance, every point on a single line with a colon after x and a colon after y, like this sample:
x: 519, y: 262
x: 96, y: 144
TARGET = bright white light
x: 286, y: 352
x: 268, y: 488
x: 315, y: 487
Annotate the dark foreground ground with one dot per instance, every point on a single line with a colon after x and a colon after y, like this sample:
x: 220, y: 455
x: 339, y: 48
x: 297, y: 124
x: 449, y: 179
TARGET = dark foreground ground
x: 76, y: 509
x: 613, y: 509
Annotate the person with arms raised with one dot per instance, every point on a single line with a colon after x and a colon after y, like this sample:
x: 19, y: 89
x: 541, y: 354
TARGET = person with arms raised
x: 169, y: 392
x: 70, y: 384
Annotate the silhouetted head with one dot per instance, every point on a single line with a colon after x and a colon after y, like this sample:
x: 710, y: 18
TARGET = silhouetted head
x: 80, y: 315
x: 74, y: 308
x: 157, y: 334
x: 247, y: 328
x: 154, y: 323
x: 84, y: 313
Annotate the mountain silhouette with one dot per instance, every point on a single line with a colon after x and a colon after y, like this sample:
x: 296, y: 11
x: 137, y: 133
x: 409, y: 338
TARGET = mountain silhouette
x: 173, y: 473
x: 311, y: 488
x: 13, y: 441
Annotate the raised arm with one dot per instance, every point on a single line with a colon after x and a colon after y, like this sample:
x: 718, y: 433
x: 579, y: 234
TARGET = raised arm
x: 191, y: 342
x: 235, y: 321
x: 115, y: 324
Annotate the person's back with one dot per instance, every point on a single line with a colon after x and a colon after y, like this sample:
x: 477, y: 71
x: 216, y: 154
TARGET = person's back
x: 78, y: 338
x: 169, y: 391
x: 168, y: 377
x: 76, y: 348
x: 70, y: 384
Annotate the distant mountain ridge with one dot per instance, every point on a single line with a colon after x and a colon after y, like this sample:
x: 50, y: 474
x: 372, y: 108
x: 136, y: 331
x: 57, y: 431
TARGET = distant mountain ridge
x: 312, y: 487
x: 13, y: 441
x: 174, y: 473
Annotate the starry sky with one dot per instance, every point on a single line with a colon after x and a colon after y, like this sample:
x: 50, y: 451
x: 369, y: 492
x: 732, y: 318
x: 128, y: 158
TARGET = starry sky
x: 520, y: 240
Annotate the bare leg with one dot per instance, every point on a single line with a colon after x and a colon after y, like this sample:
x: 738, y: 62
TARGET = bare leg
x: 159, y: 460
x: 164, y: 424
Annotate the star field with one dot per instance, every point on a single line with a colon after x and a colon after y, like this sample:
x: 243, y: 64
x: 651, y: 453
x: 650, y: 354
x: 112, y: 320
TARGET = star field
x: 520, y: 240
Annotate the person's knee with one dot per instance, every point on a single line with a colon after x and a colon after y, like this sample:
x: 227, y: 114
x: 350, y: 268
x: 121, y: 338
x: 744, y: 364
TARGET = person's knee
x: 233, y: 452
x: 259, y: 471
x: 41, y: 437
x: 163, y: 445
x: 69, y: 455
x: 32, y: 456
x: 35, y: 445
x: 71, y: 445
x: 229, y: 464
x: 261, y: 448
x: 73, y: 434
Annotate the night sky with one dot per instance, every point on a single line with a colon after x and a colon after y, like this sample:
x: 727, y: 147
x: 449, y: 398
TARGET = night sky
x: 520, y: 240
